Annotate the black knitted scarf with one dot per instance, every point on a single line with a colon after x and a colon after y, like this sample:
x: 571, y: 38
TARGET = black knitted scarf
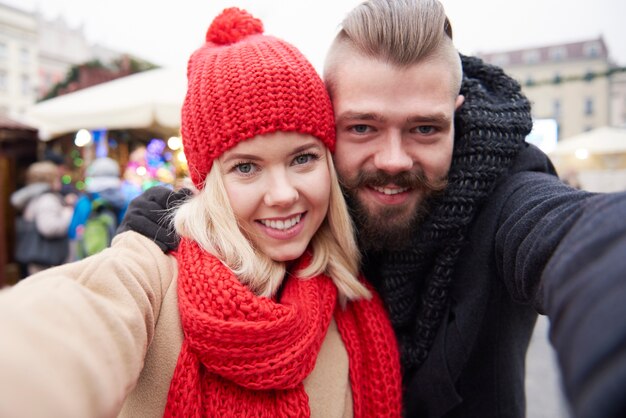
x: 490, y: 128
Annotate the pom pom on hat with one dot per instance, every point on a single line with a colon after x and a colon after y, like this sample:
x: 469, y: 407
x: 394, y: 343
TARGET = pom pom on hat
x: 241, y: 84
x: 233, y: 25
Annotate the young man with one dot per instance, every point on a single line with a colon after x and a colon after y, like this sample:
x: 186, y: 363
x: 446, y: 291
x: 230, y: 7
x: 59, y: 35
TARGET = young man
x: 466, y: 231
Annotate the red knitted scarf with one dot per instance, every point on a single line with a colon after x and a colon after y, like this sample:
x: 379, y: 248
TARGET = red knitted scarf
x: 245, y: 355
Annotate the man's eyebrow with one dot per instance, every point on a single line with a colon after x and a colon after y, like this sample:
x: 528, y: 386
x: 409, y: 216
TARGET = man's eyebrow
x: 351, y: 115
x: 436, y: 118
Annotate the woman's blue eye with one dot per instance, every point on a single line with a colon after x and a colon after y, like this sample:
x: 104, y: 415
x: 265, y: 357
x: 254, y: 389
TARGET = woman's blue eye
x: 245, y: 168
x: 303, y: 159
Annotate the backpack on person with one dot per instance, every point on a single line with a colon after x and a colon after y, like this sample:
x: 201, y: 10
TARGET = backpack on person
x: 99, y: 229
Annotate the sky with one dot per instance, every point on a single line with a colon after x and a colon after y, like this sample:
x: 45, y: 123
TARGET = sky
x: 166, y: 32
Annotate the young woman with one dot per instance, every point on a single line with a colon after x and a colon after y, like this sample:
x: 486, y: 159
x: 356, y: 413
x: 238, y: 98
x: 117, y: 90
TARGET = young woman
x: 259, y: 313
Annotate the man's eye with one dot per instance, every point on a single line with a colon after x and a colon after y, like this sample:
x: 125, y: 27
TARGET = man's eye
x: 360, y: 129
x: 425, y: 130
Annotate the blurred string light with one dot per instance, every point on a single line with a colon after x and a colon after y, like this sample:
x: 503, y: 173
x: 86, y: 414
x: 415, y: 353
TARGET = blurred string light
x: 150, y: 165
x: 83, y: 137
x: 174, y: 143
x: 99, y: 138
x: 76, y: 158
x: 582, y: 153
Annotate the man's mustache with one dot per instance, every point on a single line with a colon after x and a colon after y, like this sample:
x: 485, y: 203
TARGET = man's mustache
x: 415, y: 179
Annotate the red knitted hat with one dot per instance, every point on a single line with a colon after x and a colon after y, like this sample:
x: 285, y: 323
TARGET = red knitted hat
x: 242, y: 83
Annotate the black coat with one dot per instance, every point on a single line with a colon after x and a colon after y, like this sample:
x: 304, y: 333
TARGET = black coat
x: 536, y: 245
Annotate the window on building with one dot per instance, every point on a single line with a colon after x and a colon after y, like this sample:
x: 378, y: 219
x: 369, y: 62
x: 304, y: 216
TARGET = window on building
x: 24, y: 55
x: 558, y: 53
x: 556, y: 109
x: 591, y: 49
x: 531, y: 56
x: 26, y: 89
x: 501, y: 60
x: 530, y: 81
x: 589, y: 76
x: 3, y: 81
x: 589, y: 106
x: 557, y: 78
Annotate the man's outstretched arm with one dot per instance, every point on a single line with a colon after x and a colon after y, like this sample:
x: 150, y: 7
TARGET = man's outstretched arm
x: 565, y: 251
x: 149, y: 215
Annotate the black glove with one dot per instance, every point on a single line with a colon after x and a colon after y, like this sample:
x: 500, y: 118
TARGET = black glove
x: 147, y: 215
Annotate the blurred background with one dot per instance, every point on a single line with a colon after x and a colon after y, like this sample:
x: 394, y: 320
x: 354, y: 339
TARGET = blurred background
x: 82, y: 79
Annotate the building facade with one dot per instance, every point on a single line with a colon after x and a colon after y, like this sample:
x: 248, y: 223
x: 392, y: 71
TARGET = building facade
x: 19, y: 52
x: 570, y: 83
x: 618, y: 98
x: 60, y: 47
x: 36, y: 54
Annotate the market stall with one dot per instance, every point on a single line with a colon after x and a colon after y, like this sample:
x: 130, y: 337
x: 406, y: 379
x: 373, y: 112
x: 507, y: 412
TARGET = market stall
x: 595, y: 160
x: 149, y: 99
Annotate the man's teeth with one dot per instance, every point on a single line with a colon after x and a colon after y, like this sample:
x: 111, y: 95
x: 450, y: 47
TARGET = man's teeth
x: 388, y: 191
x: 282, y: 225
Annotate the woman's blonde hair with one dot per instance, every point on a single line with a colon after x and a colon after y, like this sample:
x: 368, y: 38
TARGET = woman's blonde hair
x: 208, y: 219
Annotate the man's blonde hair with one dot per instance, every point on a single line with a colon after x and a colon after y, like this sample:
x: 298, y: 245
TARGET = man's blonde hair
x: 400, y: 32
x: 208, y: 219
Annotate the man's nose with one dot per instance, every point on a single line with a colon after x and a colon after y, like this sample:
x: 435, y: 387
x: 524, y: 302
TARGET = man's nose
x: 392, y: 157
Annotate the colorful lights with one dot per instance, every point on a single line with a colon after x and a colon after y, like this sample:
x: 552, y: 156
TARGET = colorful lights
x: 83, y: 137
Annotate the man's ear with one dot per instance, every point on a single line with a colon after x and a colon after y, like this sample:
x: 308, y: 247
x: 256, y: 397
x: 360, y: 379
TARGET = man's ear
x: 459, y: 101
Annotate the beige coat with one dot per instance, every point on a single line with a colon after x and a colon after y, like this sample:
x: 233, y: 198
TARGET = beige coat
x: 100, y: 338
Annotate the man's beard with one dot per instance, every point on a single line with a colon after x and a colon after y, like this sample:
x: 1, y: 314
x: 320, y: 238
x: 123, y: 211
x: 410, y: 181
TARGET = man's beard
x: 391, y: 227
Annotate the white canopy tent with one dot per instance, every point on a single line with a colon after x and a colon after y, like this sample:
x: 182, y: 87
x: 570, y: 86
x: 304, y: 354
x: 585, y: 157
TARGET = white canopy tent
x: 149, y: 99
x: 605, y: 140
x: 594, y: 160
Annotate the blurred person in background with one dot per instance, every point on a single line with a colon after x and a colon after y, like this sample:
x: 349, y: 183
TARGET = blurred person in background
x: 103, y: 206
x: 68, y: 190
x: 40, y: 203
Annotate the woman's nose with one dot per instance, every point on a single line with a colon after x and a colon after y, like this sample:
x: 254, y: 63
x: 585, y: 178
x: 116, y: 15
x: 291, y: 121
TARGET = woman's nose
x: 280, y: 190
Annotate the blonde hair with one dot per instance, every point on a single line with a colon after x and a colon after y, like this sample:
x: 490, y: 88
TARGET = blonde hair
x: 400, y: 32
x: 42, y: 172
x: 208, y: 219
